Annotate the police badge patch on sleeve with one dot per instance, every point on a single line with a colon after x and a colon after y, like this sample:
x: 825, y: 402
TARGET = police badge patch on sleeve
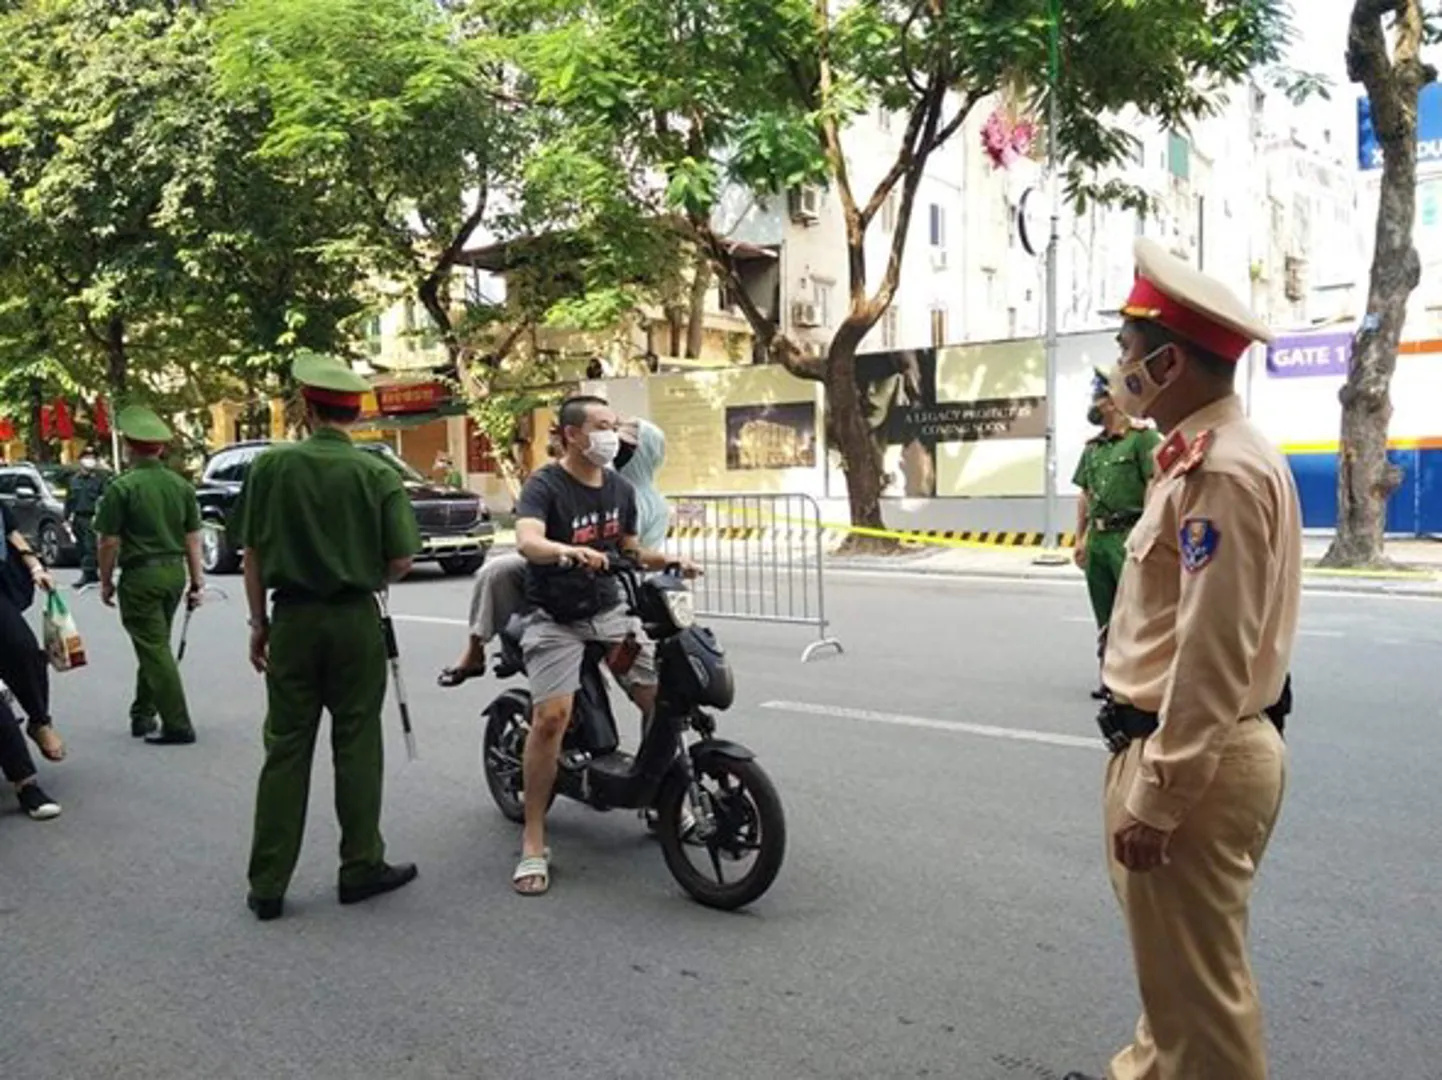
x: 1199, y: 543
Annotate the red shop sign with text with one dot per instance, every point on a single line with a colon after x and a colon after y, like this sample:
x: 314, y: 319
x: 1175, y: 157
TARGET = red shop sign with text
x: 411, y: 398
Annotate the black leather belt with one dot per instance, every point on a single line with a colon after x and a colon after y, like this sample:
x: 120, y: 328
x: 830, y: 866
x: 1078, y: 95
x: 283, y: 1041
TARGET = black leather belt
x: 1122, y: 724
x: 1116, y: 522
x: 138, y: 561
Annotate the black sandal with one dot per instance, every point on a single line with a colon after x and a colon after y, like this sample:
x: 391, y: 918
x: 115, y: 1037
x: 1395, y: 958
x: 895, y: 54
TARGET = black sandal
x: 454, y: 676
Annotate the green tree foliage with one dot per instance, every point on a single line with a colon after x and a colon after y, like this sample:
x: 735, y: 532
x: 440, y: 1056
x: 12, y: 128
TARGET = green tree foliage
x: 702, y: 93
x: 143, y: 251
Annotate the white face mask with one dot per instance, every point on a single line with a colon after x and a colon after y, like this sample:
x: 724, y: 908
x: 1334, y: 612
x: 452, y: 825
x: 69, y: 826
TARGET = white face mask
x: 87, y: 463
x: 603, y: 448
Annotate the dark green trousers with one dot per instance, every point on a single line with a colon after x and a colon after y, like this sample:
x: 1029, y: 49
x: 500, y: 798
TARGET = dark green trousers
x: 85, y: 540
x: 1106, y: 556
x: 323, y: 657
x: 149, y: 597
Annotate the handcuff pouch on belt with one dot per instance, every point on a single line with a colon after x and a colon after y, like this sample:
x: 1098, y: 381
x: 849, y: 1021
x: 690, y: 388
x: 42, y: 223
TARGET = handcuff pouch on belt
x: 1122, y: 724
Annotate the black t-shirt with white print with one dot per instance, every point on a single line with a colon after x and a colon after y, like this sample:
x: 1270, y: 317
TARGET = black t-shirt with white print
x: 581, y: 516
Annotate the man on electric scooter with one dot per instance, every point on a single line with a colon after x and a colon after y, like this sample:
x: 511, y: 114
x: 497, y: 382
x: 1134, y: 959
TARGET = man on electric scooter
x: 570, y: 517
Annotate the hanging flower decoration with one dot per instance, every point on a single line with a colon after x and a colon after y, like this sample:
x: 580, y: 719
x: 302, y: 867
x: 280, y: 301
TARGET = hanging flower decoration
x: 1006, y: 139
x: 1009, y: 134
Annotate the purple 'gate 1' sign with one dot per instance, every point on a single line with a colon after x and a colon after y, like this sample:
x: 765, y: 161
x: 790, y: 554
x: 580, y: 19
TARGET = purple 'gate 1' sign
x: 1302, y: 355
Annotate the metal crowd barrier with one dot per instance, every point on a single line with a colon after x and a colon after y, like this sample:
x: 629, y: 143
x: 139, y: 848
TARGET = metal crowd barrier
x: 762, y: 556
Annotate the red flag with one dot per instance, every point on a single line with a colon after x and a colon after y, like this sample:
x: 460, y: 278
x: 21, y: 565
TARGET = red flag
x: 101, y: 416
x: 7, y: 429
x: 47, y: 422
x: 63, y: 424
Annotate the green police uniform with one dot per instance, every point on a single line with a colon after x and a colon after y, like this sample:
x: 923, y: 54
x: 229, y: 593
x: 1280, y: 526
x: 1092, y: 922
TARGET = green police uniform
x: 82, y: 498
x: 322, y: 520
x: 152, y: 511
x: 1114, y: 471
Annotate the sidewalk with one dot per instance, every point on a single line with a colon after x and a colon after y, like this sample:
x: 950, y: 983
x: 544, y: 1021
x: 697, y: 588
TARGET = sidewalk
x: 1418, y: 569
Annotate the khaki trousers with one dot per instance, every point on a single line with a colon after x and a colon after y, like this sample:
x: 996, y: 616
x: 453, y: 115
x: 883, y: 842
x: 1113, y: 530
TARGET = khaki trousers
x: 1201, y: 1015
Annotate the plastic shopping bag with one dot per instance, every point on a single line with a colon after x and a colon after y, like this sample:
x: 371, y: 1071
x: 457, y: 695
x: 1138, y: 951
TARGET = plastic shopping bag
x: 62, y: 640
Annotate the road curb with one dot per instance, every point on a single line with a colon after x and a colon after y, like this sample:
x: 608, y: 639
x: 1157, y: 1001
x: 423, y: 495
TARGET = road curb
x: 1349, y: 584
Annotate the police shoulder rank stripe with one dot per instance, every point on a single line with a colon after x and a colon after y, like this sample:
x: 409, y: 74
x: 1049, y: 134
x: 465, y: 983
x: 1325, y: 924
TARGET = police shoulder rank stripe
x: 1200, y: 540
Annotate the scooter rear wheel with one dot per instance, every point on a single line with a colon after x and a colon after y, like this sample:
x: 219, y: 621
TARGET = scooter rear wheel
x: 503, y: 758
x: 749, y: 823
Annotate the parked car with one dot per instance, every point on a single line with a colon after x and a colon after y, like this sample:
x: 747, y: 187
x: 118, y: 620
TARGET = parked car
x: 58, y: 477
x: 456, y: 526
x: 39, y: 513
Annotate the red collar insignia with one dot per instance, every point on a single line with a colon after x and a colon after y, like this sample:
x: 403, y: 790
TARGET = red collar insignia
x: 1200, y: 445
x: 1171, y: 452
x: 1176, y: 453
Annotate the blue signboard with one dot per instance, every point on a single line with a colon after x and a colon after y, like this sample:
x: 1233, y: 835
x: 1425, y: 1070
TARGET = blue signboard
x: 1303, y: 355
x: 1429, y: 130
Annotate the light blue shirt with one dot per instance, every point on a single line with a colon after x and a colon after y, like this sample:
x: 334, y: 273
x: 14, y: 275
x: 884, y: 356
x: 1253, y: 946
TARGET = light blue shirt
x: 652, y: 515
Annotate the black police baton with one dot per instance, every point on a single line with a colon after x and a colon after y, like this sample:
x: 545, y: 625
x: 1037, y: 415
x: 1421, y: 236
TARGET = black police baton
x: 393, y: 654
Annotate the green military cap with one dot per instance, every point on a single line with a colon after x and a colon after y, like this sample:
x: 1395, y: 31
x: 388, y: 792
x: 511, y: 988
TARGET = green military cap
x: 140, y: 424
x: 328, y: 380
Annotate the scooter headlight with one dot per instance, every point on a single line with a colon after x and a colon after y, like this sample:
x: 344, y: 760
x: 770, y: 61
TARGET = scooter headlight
x: 681, y: 607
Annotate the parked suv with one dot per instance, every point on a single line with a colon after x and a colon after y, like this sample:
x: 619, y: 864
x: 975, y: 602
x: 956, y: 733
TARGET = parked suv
x: 39, y: 513
x: 456, y: 527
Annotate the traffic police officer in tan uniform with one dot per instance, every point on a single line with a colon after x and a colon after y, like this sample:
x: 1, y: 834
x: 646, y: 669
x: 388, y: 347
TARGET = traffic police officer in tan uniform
x: 1201, y: 638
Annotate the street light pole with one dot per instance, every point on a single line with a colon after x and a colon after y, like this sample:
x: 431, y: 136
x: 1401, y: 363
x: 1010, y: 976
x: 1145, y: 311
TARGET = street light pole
x: 1050, y: 547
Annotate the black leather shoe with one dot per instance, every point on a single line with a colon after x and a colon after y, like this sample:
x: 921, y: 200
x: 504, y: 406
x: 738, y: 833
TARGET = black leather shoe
x: 1080, y: 1076
x: 139, y: 729
x: 389, y: 879
x: 265, y: 910
x: 171, y: 738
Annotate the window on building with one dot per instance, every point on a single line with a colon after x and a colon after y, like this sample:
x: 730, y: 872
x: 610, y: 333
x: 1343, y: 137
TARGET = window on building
x: 890, y: 328
x: 938, y: 326
x: 1179, y: 156
x: 938, y: 226
x: 1011, y: 326
x: 821, y: 292
x: 883, y: 118
x: 889, y: 210
x: 990, y: 278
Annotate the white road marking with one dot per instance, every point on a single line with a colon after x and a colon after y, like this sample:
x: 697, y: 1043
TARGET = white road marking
x: 1049, y: 738
x: 1321, y: 633
x: 435, y: 620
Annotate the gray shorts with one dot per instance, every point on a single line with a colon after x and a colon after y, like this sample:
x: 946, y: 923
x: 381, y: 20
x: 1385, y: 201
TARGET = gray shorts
x: 554, y: 651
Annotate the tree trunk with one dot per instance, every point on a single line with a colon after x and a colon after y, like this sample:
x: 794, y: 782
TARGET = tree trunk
x: 696, y: 326
x: 37, y: 450
x: 429, y: 292
x: 860, y: 461
x: 1365, y: 477
x: 117, y: 364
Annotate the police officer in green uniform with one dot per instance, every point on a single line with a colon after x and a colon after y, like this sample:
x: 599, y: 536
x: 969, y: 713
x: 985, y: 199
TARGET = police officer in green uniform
x: 1113, y: 474
x: 323, y: 526
x: 82, y: 497
x: 149, y: 524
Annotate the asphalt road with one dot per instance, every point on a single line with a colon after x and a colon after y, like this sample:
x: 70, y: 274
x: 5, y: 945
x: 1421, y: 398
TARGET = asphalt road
x: 943, y: 911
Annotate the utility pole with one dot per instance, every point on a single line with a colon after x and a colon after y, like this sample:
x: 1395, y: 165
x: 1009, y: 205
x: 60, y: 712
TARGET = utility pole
x: 1050, y: 547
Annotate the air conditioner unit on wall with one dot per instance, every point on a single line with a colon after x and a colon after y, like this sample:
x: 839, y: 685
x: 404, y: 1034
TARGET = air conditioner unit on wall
x: 805, y: 314
x: 814, y: 349
x: 805, y: 204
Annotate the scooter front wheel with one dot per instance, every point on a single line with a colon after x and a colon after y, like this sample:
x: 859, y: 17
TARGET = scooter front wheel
x: 734, y: 862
